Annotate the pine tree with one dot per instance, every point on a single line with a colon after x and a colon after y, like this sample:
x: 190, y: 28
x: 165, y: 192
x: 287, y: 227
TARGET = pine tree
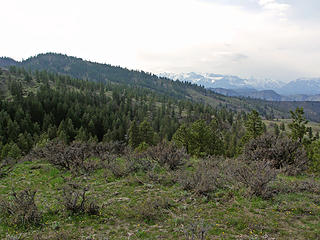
x: 200, y: 138
x: 23, y: 143
x: 182, y: 136
x: 82, y: 135
x: 134, y: 136
x: 298, y: 125
x: 254, y: 126
x: 146, y: 132
x: 276, y: 130
x: 52, y: 131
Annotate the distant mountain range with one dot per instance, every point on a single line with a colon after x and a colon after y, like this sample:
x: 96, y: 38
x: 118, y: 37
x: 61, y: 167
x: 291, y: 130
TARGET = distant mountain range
x: 303, y: 89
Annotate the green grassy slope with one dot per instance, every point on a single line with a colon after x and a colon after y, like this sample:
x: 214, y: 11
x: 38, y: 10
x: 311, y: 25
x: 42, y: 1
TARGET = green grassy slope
x: 125, y: 211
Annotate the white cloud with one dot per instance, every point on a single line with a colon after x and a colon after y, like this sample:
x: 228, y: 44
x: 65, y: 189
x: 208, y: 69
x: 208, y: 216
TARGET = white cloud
x: 274, y: 7
x: 166, y: 35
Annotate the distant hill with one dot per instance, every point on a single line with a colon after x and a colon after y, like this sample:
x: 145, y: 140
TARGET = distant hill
x: 6, y: 62
x: 269, y: 95
x: 305, y: 86
x: 104, y: 73
x: 226, y: 92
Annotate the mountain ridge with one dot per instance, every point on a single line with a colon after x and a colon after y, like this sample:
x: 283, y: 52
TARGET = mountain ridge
x: 291, y: 91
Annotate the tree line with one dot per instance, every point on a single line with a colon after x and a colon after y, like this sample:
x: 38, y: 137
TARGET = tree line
x: 41, y: 106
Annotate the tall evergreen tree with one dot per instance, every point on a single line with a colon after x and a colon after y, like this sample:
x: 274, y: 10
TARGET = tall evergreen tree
x: 254, y: 126
x: 298, y: 125
x: 146, y: 132
x: 134, y: 136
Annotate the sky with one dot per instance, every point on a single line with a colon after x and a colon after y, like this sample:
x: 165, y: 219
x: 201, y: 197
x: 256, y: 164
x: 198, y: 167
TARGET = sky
x: 264, y: 39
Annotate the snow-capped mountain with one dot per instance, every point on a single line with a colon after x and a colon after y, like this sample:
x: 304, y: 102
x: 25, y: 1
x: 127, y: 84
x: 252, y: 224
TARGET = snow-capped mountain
x: 266, y: 84
x: 212, y: 80
x: 303, y: 89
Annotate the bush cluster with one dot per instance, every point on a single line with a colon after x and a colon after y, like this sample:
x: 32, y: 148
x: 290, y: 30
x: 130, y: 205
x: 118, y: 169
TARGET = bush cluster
x: 76, y: 201
x: 6, y: 166
x: 196, y: 230
x: 256, y: 176
x: 256, y: 170
x: 79, y: 158
x: 207, y: 177
x: 283, y: 153
x: 21, y: 209
x: 168, y: 155
x: 212, y: 174
x: 153, y: 208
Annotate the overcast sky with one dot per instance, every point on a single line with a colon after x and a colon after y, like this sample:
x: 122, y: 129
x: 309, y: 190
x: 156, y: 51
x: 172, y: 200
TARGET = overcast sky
x: 278, y: 39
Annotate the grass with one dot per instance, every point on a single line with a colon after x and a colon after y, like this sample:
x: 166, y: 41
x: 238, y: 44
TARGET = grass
x: 314, y: 125
x: 230, y: 214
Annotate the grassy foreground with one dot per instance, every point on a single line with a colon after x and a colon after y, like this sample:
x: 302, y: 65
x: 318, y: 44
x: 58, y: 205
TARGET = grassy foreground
x: 134, y: 208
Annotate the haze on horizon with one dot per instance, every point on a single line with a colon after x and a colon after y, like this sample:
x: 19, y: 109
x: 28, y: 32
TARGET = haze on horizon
x: 276, y: 39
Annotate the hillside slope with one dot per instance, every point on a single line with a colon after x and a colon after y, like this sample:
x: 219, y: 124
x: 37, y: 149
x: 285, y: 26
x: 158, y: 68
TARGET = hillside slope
x: 105, y: 73
x: 151, y: 205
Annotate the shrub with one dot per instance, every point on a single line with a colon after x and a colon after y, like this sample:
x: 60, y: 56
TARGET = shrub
x: 124, y: 166
x: 128, y: 163
x: 282, y: 153
x: 115, y: 148
x: 75, y: 200
x: 168, y: 154
x: 256, y: 176
x: 21, y: 209
x: 152, y: 209
x: 79, y: 157
x: 196, y: 230
x: 6, y: 166
x: 207, y: 177
x: 287, y: 186
x: 66, y: 157
x: 156, y: 175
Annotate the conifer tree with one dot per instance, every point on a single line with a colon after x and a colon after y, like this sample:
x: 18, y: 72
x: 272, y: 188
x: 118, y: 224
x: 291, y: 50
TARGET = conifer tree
x: 254, y: 126
x: 181, y: 137
x: 276, y: 130
x: 298, y: 125
x: 82, y: 135
x: 146, y: 132
x: 134, y: 137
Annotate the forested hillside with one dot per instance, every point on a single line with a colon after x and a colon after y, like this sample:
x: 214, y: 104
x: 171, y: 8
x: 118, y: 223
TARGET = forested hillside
x: 42, y: 106
x: 105, y: 73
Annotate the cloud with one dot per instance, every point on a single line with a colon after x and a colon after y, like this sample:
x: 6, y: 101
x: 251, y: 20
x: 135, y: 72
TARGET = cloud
x: 274, y: 7
x: 239, y: 37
